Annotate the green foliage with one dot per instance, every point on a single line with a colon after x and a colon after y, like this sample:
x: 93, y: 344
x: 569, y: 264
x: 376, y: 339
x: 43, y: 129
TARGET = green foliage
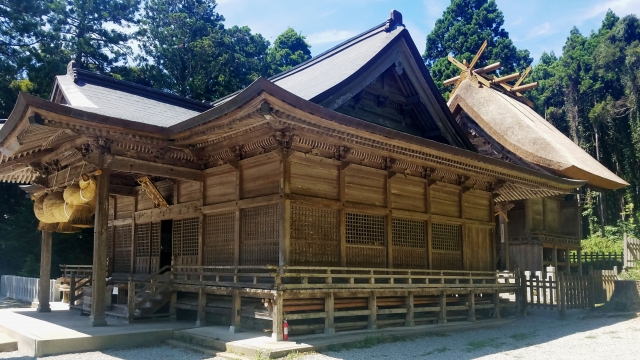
x: 288, y: 50
x: 460, y: 32
x: 597, y: 244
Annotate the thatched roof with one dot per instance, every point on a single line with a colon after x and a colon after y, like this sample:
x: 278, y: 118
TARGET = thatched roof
x: 522, y: 131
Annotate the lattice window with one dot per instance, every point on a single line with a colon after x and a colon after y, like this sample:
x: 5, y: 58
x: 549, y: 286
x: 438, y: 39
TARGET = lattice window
x: 363, y: 256
x: 260, y: 236
x: 446, y: 237
x: 185, y: 236
x: 122, y: 259
x: 365, y: 229
x: 219, y: 240
x: 447, y: 260
x: 314, y: 236
x: 409, y: 233
x: 447, y: 246
x: 409, y: 258
x: 143, y: 240
x: 155, y: 239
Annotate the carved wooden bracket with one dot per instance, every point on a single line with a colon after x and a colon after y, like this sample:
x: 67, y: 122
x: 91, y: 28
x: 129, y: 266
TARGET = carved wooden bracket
x: 153, y: 192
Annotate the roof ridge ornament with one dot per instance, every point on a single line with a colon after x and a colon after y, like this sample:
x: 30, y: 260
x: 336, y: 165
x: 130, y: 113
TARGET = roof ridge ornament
x: 72, y: 68
x: 479, y: 77
x: 395, y: 19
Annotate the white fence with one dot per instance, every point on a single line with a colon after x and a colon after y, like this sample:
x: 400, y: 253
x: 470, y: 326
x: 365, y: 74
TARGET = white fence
x: 24, y: 288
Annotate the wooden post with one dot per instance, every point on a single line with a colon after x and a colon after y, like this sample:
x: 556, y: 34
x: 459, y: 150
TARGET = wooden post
x: 131, y: 299
x: 372, y: 323
x: 580, y: 261
x: 330, y: 311
x: 100, y: 240
x: 72, y: 289
x: 202, y: 305
x: 554, y: 258
x: 389, y: 220
x: 523, y: 293
x: 562, y: 298
x: 496, y: 304
x: 277, y: 316
x: 442, y: 319
x: 471, y: 316
x: 409, y: 321
x: 567, y: 262
x: 343, y: 215
x: 44, y: 282
x: 235, y: 312
x: 172, y: 306
x: 285, y: 233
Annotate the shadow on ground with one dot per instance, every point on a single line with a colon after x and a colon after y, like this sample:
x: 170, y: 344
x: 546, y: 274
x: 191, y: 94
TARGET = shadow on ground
x: 535, y: 330
x: 7, y: 303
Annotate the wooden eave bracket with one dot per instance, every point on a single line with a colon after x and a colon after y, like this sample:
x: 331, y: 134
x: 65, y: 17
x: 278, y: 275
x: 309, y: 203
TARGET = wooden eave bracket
x: 152, y: 192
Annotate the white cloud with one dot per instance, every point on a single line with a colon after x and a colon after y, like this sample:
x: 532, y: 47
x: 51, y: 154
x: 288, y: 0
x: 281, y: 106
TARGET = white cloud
x: 540, y: 30
x: 620, y: 7
x: 330, y: 36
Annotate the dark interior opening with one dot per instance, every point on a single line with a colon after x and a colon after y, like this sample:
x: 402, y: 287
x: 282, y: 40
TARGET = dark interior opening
x: 166, y: 227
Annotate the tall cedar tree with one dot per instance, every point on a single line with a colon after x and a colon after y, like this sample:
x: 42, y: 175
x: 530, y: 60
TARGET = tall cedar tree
x: 463, y: 27
x: 193, y: 55
x: 289, y: 49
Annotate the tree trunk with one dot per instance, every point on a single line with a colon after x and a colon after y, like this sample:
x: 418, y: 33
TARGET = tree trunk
x: 600, y: 195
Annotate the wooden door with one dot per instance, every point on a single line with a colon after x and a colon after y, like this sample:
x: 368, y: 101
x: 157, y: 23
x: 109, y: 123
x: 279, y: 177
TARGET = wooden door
x: 122, y: 251
x: 147, y: 248
x: 185, y: 241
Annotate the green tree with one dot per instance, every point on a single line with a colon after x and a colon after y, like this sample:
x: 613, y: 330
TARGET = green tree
x: 193, y: 55
x: 463, y: 27
x: 289, y: 49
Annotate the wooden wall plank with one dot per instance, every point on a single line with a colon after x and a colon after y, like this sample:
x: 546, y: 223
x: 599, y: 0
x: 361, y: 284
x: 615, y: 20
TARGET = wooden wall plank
x: 408, y: 193
x: 189, y: 191
x: 220, y: 187
x: 125, y: 207
x: 260, y: 175
x: 314, y: 176
x: 477, y: 205
x: 445, y: 200
x: 365, y: 186
x: 478, y: 248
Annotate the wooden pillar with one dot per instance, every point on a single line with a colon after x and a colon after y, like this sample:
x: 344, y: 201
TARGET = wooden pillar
x: 172, y: 306
x: 100, y: 240
x: 202, y: 305
x: 554, y: 258
x: 278, y: 317
x: 442, y: 319
x: 343, y: 215
x: 237, y: 224
x: 44, y: 283
x: 285, y: 233
x: 389, y: 221
x: 330, y: 311
x: 235, y: 312
x: 496, y: 305
x: 471, y: 316
x: 567, y: 261
x: 409, y: 321
x: 579, y: 261
x: 373, y: 312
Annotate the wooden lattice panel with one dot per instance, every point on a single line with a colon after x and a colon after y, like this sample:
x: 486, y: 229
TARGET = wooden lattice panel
x: 446, y: 246
x: 122, y: 258
x: 409, y: 244
x: 365, y: 229
x: 155, y: 239
x: 446, y: 237
x: 185, y: 236
x: 219, y: 240
x: 365, y: 256
x: 260, y: 238
x: 143, y: 240
x: 314, y: 236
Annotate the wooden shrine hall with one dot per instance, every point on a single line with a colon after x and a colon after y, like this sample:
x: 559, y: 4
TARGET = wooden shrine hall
x: 339, y: 195
x: 539, y: 231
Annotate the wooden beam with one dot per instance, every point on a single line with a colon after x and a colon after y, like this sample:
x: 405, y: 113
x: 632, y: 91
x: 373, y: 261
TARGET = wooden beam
x: 488, y: 68
x: 478, y: 54
x: 505, y: 78
x: 121, y: 190
x: 451, y: 81
x: 120, y: 163
x: 457, y: 63
x: 524, y: 75
x: 524, y: 87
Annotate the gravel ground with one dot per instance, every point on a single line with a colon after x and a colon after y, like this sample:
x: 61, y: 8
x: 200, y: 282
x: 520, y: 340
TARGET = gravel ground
x: 542, y: 336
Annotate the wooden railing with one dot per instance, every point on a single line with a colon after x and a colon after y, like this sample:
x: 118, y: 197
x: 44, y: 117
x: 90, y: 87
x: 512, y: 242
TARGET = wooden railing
x: 305, y: 277
x: 598, y: 260
x: 78, y: 270
x: 543, y: 237
x: 76, y: 283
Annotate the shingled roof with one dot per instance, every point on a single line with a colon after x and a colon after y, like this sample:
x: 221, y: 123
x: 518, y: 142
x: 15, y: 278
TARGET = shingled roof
x: 104, y: 95
x: 519, y: 129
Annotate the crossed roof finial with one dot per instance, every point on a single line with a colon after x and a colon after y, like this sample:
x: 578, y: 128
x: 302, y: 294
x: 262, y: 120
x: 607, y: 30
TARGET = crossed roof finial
x: 478, y: 76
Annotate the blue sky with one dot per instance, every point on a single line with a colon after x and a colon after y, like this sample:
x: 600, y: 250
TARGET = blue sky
x: 536, y: 25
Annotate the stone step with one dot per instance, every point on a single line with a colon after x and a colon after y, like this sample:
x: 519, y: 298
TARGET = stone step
x: 7, y: 343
